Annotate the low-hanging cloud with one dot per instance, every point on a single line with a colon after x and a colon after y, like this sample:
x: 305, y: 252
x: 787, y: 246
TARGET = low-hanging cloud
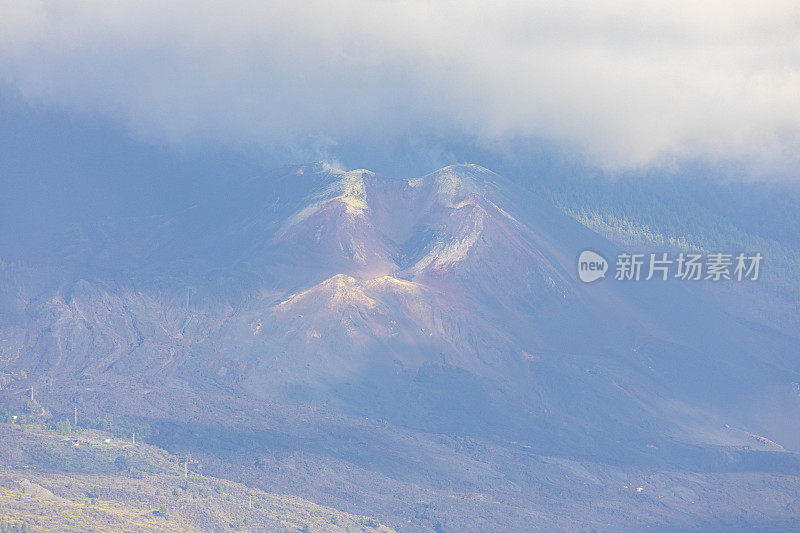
x: 622, y: 85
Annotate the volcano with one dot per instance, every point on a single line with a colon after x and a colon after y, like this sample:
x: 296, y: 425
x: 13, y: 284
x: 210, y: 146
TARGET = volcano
x: 447, y: 304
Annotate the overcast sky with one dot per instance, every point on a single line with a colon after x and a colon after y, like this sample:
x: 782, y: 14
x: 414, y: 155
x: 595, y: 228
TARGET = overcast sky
x: 619, y: 86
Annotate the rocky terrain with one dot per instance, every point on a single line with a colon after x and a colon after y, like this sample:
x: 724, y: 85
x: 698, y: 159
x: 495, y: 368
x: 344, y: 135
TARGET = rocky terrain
x: 73, y: 479
x: 417, y: 349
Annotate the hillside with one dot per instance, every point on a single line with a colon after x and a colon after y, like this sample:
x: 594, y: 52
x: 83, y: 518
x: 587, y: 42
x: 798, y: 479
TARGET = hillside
x: 420, y: 349
x: 88, y: 480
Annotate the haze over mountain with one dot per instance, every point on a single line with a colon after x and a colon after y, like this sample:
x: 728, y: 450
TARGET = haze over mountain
x: 201, y: 327
x: 415, y: 340
x: 627, y: 86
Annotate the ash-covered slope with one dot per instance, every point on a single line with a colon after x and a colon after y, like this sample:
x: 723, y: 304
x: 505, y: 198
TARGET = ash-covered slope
x: 446, y: 303
x: 420, y: 348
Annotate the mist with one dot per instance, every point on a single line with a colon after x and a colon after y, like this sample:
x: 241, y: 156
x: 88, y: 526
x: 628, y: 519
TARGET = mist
x: 626, y: 87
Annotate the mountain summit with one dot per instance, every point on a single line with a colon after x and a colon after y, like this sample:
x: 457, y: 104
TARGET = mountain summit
x: 441, y: 304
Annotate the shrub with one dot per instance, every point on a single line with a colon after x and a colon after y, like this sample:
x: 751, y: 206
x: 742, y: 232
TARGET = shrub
x: 371, y: 522
x: 122, y: 463
x: 14, y: 527
x: 121, y: 427
x: 63, y: 426
x: 239, y: 524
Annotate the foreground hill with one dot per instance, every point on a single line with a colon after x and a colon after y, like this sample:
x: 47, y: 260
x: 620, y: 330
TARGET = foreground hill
x: 88, y: 480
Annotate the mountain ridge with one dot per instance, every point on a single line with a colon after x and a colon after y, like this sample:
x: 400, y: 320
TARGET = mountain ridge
x: 412, y: 309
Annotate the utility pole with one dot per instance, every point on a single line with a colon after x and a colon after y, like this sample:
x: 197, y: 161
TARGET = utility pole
x: 251, y: 501
x: 186, y: 468
x: 31, y: 394
x: 76, y: 416
x: 134, y: 438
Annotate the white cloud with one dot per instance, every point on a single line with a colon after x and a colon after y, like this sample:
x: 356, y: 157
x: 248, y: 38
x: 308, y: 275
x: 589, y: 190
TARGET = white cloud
x: 624, y: 84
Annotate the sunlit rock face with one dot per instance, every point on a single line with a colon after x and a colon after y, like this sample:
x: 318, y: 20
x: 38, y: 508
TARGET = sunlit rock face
x: 383, y: 279
x: 447, y: 302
